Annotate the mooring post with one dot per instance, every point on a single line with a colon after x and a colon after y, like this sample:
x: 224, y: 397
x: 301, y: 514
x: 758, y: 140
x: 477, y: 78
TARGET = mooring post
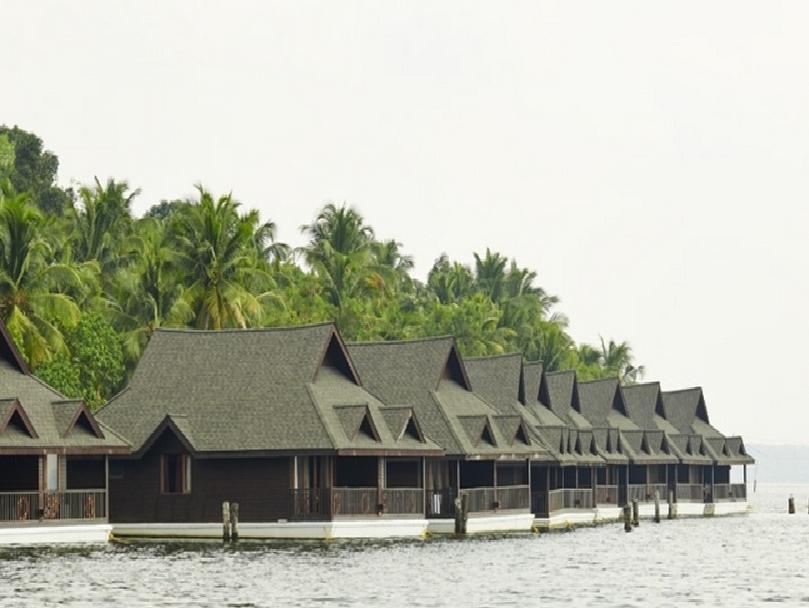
x: 791, y: 504
x: 627, y: 518
x: 672, y: 512
x: 234, y: 521
x: 225, y: 521
x: 460, y: 514
x: 635, y: 512
x: 657, y: 506
x: 465, y: 512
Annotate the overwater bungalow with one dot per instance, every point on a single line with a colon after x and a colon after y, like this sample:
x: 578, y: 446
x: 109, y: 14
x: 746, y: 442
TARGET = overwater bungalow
x: 277, y: 420
x: 54, y: 458
x: 316, y: 438
x: 708, y: 455
x: 488, y: 447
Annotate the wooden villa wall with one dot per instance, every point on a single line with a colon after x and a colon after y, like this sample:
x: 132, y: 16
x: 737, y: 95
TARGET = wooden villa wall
x: 260, y: 486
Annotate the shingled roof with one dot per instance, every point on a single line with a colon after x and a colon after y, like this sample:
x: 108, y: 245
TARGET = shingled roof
x: 257, y: 390
x: 34, y: 417
x: 430, y: 376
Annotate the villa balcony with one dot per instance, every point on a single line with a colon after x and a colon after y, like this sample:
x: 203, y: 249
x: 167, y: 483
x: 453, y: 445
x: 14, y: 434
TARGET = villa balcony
x: 730, y: 492
x: 691, y: 492
x: 63, y: 505
x: 570, y: 498
x: 646, y: 492
x: 607, y: 495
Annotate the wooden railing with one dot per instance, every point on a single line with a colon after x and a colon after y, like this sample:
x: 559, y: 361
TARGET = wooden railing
x: 690, y: 492
x: 60, y: 505
x: 606, y: 495
x: 500, y: 498
x: 403, y: 501
x: 730, y: 492
x: 570, y: 498
x: 323, y: 503
x: 646, y: 492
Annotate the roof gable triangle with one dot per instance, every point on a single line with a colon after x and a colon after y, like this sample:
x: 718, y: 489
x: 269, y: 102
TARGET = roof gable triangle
x: 486, y: 435
x: 335, y: 356
x: 366, y: 429
x: 454, y: 369
x: 521, y: 436
x: 18, y: 424
x: 702, y: 411
x: 83, y: 423
x: 412, y: 430
x: 618, y: 403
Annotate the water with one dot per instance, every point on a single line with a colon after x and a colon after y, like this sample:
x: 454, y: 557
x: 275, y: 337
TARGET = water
x: 734, y: 561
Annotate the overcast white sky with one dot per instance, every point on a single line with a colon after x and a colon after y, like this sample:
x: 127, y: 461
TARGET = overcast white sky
x: 649, y: 159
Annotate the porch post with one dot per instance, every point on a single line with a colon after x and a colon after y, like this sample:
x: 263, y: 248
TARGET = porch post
x: 713, y: 489
x: 593, y: 483
x: 494, y: 478
x: 107, y: 486
x: 424, y: 485
x: 41, y: 486
x: 380, y: 481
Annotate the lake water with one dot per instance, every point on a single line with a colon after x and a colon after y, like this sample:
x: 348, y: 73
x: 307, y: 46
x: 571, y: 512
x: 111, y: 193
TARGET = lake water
x: 733, y: 561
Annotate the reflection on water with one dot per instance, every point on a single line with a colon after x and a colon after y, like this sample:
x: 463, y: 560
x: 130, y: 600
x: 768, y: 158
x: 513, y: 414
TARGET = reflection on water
x: 735, y: 561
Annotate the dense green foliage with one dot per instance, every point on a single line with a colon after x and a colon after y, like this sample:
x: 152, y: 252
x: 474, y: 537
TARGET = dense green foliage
x: 84, y: 283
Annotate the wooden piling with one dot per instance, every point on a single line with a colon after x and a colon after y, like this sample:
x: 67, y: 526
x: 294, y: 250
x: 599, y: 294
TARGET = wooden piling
x: 672, y: 508
x: 226, y: 521
x: 627, y: 518
x: 657, y: 507
x: 461, y: 514
x: 234, y: 521
x: 791, y: 505
x: 635, y: 512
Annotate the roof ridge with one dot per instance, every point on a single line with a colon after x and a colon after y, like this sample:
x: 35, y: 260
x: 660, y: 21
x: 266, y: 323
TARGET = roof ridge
x: 230, y: 330
x: 559, y: 372
x: 642, y: 384
x: 598, y: 380
x: 682, y: 390
x: 402, y: 341
x: 491, y: 357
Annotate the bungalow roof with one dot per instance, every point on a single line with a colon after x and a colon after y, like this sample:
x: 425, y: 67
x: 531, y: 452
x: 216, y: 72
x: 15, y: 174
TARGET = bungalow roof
x: 34, y: 416
x: 257, y: 390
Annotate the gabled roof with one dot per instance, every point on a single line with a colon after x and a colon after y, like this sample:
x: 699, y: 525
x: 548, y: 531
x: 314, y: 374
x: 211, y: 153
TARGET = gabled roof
x: 602, y: 403
x: 248, y: 390
x: 533, y: 372
x: 37, y: 418
x: 500, y: 381
x: 681, y: 408
x: 642, y: 400
x: 646, y: 447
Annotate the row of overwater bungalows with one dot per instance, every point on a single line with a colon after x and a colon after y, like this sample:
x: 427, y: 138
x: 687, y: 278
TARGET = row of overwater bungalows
x: 314, y: 437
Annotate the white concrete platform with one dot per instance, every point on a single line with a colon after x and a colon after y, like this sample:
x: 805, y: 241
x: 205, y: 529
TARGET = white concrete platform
x: 608, y: 513
x: 730, y: 508
x: 481, y: 524
x: 46, y: 534
x: 302, y: 530
x: 567, y: 518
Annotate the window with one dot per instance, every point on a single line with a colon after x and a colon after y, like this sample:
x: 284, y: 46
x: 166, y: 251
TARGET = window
x: 175, y: 474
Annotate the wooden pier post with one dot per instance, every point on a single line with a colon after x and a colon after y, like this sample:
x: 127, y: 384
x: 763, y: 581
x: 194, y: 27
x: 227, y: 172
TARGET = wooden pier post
x: 627, y: 518
x: 672, y: 512
x: 225, y: 521
x: 461, y: 514
x: 635, y: 512
x: 657, y: 506
x: 234, y: 521
x: 791, y: 505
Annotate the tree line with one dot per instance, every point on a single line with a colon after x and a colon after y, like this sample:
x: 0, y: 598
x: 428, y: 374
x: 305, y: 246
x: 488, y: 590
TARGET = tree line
x: 84, y: 282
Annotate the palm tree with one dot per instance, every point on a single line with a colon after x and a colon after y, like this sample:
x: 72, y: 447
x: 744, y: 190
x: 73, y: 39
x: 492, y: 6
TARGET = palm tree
x: 340, y: 252
x: 226, y: 275
x: 490, y: 274
x: 33, y: 302
x: 450, y: 282
x: 102, y: 221
x: 618, y: 360
x: 148, y: 289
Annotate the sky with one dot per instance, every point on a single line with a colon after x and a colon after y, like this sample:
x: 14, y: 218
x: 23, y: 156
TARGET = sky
x: 650, y: 160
